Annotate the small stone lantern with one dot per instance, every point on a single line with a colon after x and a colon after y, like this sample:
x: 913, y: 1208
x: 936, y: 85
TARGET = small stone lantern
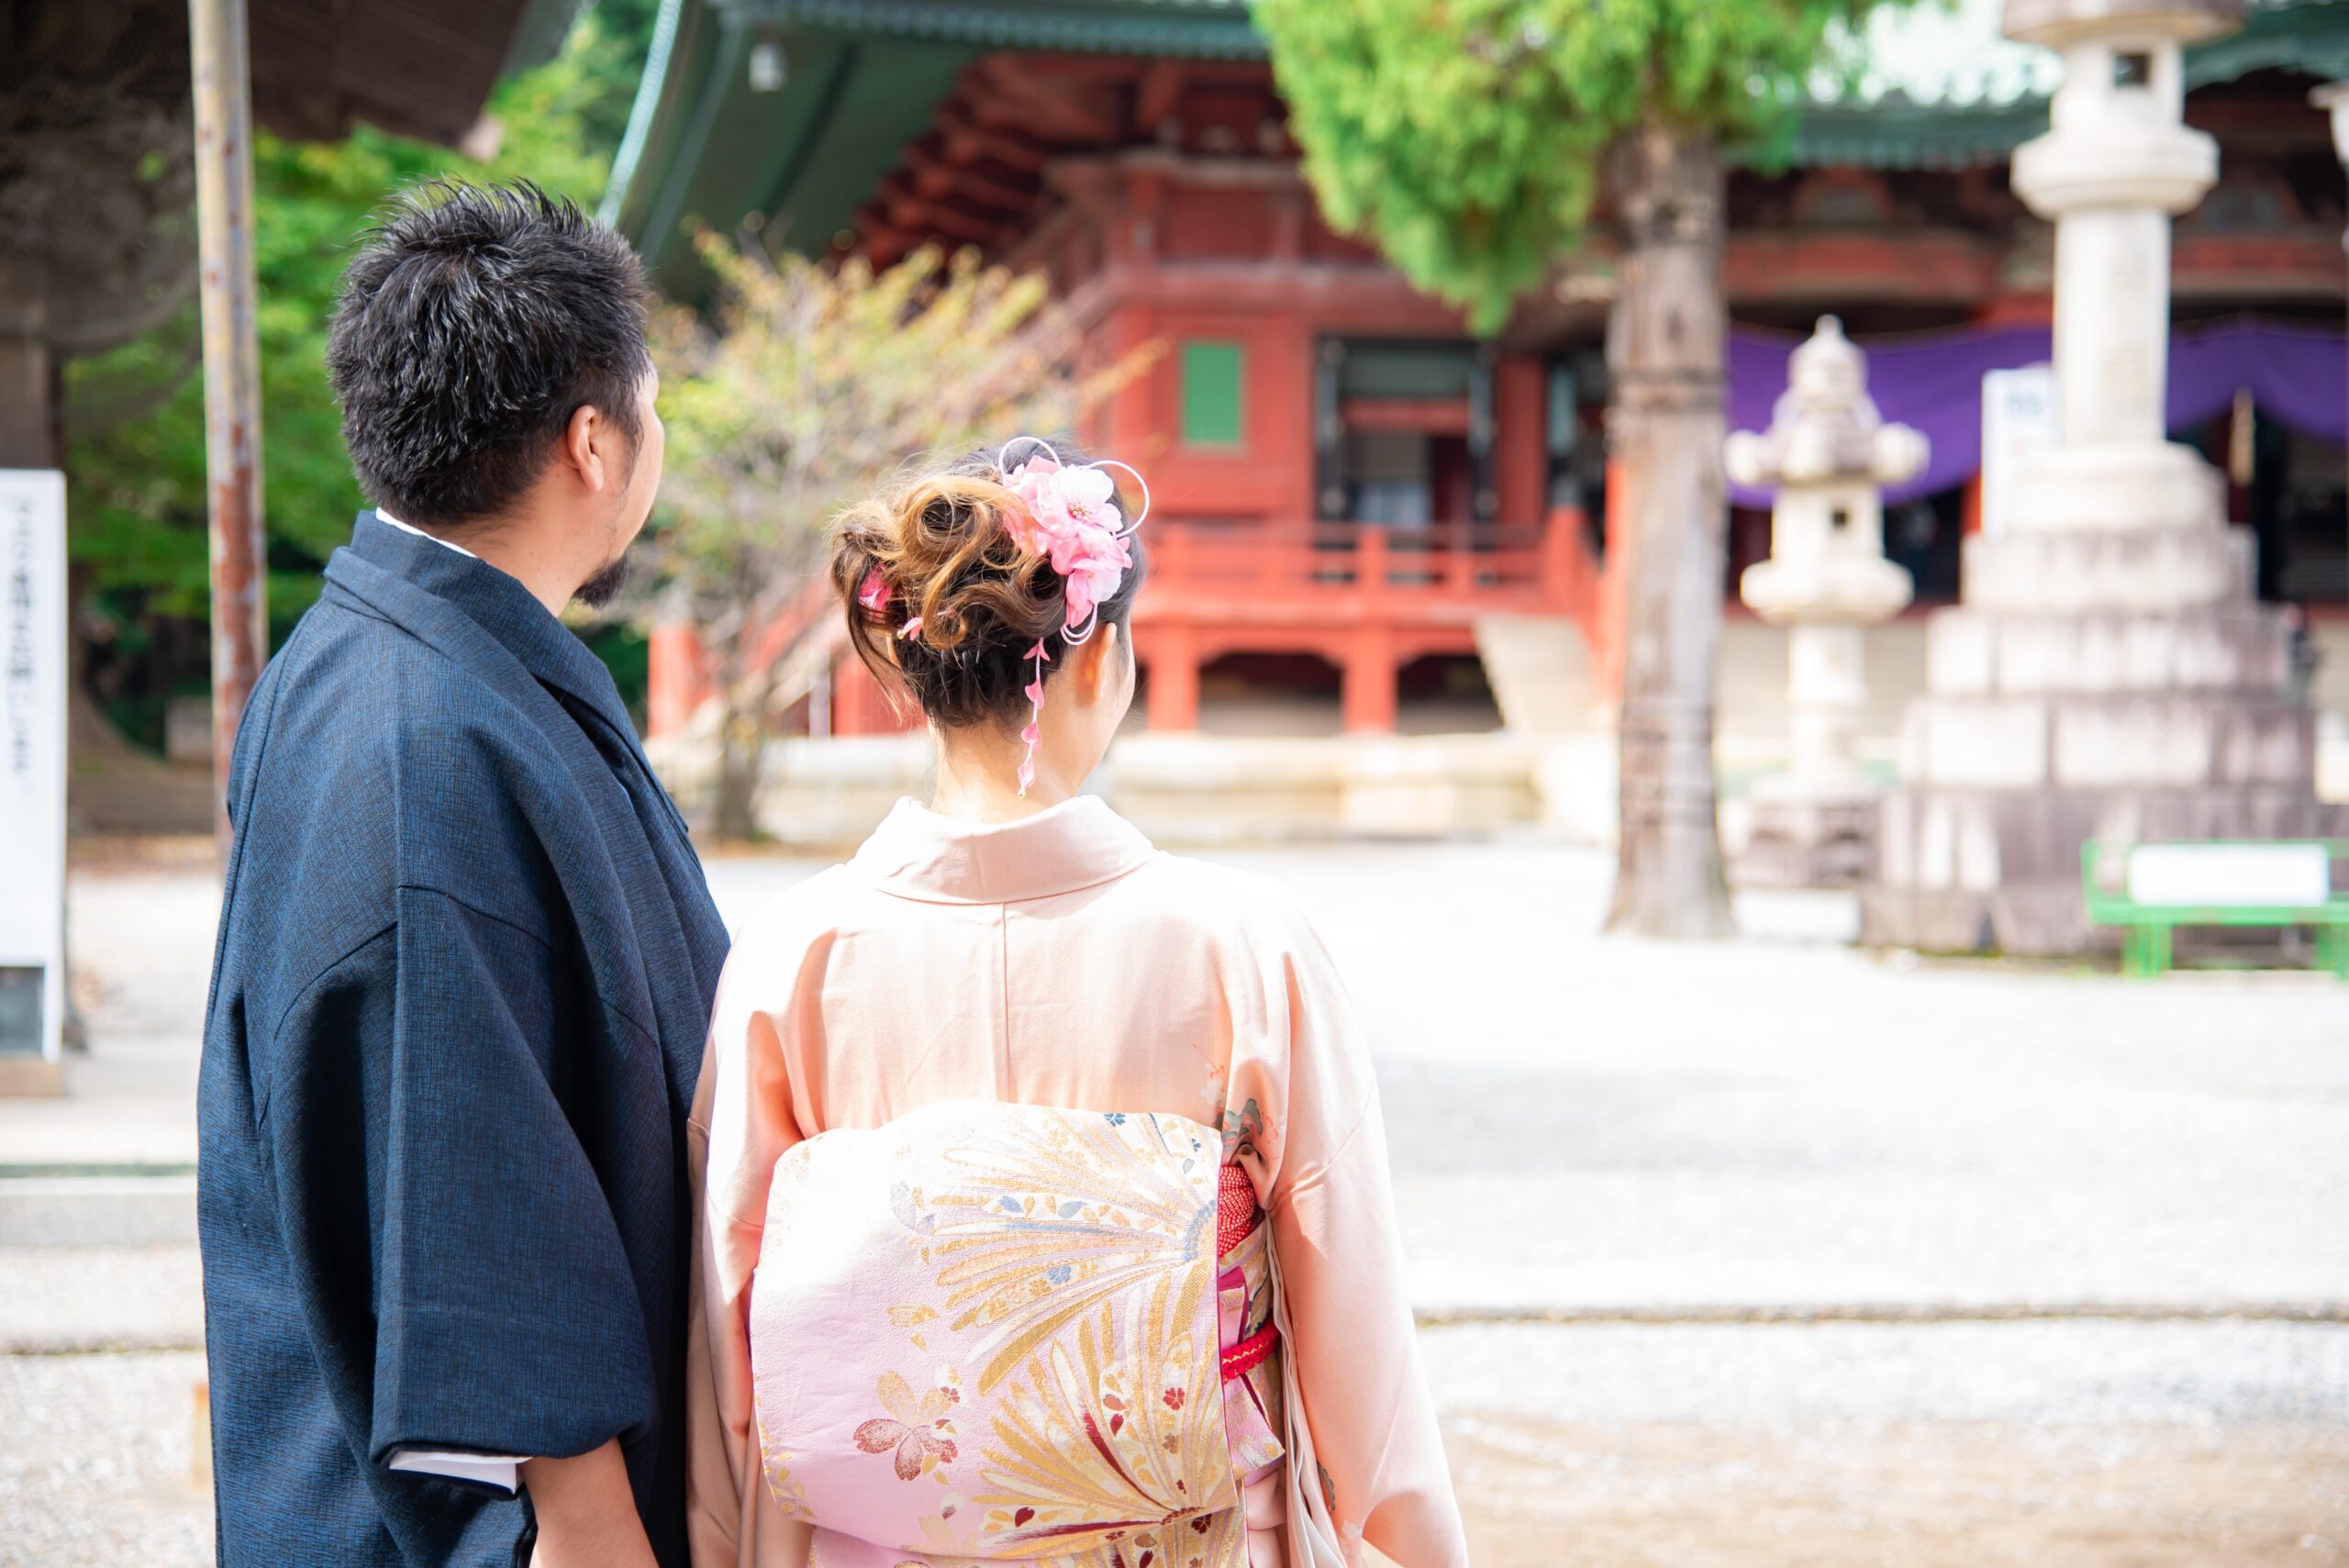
x: 1828, y: 454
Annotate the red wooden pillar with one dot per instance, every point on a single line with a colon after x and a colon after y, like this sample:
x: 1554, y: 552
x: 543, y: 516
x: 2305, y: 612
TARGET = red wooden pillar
x: 1174, y: 679
x: 859, y: 705
x: 1520, y: 464
x: 675, y: 689
x: 1367, y: 697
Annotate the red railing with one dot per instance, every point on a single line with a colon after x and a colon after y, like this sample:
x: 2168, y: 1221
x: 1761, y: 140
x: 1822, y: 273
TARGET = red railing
x: 1444, y: 567
x: 1298, y: 576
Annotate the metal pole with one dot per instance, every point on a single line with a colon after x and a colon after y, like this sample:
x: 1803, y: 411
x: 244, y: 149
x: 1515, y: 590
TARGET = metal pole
x: 224, y: 205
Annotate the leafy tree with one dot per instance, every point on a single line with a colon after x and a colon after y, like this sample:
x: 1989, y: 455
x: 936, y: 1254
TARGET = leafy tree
x: 1471, y: 140
x: 804, y: 388
x: 137, y: 502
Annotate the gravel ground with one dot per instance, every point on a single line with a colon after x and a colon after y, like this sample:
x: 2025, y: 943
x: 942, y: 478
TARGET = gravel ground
x: 2150, y: 1446
x: 95, y: 1463
x: 1583, y: 1127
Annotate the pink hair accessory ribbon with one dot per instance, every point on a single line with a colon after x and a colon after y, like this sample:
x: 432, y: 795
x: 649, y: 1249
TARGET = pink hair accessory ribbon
x: 1069, y: 517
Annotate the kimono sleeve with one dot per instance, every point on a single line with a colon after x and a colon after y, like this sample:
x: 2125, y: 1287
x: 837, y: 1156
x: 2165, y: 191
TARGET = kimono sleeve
x: 508, y: 1317
x: 743, y: 1121
x: 1311, y: 1107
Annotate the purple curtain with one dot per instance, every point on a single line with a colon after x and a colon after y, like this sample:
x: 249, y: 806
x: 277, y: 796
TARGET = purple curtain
x: 2297, y: 374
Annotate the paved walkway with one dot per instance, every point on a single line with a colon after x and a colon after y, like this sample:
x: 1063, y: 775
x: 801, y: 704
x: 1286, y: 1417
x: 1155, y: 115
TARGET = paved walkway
x: 1758, y: 1253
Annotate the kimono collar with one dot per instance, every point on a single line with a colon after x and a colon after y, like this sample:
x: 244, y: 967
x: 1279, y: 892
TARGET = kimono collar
x: 917, y: 853
x: 495, y: 602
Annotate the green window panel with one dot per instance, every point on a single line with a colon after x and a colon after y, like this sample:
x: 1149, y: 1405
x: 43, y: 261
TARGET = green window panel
x: 1211, y: 378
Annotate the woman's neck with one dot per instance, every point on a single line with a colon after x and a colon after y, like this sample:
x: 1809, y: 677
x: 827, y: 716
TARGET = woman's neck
x: 979, y: 777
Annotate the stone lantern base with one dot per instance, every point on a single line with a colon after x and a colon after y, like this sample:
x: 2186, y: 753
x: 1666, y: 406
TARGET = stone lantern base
x: 2122, y: 685
x: 1810, y: 833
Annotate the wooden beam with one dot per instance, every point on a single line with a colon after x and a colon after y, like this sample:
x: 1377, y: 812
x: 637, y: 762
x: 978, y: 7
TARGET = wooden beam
x: 934, y: 174
x: 911, y: 210
x: 962, y: 137
x: 1159, y: 90
x: 1066, y: 113
x: 882, y: 241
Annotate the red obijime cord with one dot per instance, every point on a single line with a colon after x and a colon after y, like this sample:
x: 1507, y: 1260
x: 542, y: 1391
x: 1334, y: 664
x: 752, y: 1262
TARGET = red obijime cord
x: 1236, y: 1218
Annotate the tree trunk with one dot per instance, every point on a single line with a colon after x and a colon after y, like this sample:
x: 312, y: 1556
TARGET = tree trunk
x: 1665, y: 347
x: 742, y: 748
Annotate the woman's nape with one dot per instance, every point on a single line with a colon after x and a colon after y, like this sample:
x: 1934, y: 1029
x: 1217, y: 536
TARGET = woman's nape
x: 978, y: 764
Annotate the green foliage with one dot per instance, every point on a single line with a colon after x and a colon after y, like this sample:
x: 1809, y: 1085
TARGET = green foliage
x: 1466, y: 137
x: 809, y: 384
x: 137, y: 507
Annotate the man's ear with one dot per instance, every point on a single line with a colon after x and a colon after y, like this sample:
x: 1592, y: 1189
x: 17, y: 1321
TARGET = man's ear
x: 587, y: 448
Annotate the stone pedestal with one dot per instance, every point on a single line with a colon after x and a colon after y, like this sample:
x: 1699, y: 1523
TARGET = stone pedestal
x: 1827, y: 453
x: 2110, y: 674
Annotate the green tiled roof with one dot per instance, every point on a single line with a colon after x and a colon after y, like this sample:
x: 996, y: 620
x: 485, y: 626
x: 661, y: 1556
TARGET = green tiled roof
x: 1923, y: 87
x: 1195, y: 30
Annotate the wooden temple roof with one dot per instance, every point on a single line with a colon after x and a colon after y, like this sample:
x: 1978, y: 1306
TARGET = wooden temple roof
x: 878, y: 124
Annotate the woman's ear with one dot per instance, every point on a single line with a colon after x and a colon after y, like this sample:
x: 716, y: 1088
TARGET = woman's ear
x: 1104, y: 655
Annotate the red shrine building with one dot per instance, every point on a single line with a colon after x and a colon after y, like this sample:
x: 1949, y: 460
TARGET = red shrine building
x: 1349, y: 491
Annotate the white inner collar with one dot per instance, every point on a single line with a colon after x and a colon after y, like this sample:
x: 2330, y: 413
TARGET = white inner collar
x: 419, y: 533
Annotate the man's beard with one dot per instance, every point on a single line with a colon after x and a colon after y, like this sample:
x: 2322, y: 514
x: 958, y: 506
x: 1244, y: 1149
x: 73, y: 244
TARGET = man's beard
x: 606, y: 585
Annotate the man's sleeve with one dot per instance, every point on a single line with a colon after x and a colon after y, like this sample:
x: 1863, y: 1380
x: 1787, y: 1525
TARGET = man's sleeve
x: 485, y: 1256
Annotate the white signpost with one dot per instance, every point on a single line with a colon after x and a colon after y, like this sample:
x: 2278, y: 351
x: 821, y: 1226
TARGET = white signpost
x: 2019, y: 422
x: 32, y: 779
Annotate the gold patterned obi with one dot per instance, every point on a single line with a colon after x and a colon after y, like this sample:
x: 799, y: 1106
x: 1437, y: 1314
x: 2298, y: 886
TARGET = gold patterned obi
x: 1013, y: 1334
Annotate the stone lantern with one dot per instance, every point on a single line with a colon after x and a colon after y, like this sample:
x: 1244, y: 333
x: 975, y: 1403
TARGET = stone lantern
x: 1827, y: 455
x: 2110, y: 674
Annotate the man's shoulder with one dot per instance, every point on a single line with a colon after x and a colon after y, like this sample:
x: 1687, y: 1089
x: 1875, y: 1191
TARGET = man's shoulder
x: 366, y: 736
x: 351, y: 684
x: 342, y: 652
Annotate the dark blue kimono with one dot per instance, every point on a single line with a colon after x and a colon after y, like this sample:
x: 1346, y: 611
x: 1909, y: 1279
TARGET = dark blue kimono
x: 464, y: 978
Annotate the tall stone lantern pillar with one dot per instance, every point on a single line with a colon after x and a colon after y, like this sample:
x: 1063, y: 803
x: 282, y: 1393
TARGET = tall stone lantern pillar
x: 2110, y: 674
x: 2116, y: 165
x: 1828, y: 454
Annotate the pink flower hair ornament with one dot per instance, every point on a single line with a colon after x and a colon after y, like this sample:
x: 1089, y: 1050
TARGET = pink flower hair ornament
x: 1069, y: 517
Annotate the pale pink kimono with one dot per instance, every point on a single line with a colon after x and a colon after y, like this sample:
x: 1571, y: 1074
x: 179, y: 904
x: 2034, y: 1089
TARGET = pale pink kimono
x: 1060, y: 960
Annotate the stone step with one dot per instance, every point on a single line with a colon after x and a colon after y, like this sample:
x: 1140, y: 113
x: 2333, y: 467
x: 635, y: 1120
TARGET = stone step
x: 1962, y: 869
x: 2239, y: 647
x: 2179, y: 741
x: 1539, y: 668
x: 2080, y: 570
x: 64, y: 1300
x: 97, y: 1211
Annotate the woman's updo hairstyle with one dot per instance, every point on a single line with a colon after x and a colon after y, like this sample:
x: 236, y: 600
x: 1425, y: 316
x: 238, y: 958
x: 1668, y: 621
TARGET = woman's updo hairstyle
x: 937, y: 548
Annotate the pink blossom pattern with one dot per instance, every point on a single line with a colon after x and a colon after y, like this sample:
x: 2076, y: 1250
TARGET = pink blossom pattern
x: 1071, y: 518
x: 1068, y: 515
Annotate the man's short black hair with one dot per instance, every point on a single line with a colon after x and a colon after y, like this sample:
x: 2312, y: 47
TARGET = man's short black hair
x: 474, y: 322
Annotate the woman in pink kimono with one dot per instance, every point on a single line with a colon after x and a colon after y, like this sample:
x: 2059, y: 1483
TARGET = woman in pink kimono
x: 1044, y: 1209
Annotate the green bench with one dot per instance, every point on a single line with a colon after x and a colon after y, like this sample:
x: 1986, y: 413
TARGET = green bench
x: 2164, y: 887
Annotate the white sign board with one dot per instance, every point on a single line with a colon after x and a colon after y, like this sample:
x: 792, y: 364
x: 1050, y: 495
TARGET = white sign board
x: 2020, y: 420
x: 2217, y: 876
x: 32, y: 763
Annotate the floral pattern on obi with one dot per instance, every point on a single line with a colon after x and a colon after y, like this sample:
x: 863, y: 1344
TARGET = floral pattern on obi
x: 996, y: 1334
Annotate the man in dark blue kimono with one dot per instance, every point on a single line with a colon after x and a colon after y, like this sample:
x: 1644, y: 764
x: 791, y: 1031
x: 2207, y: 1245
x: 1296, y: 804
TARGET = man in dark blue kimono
x: 466, y: 957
